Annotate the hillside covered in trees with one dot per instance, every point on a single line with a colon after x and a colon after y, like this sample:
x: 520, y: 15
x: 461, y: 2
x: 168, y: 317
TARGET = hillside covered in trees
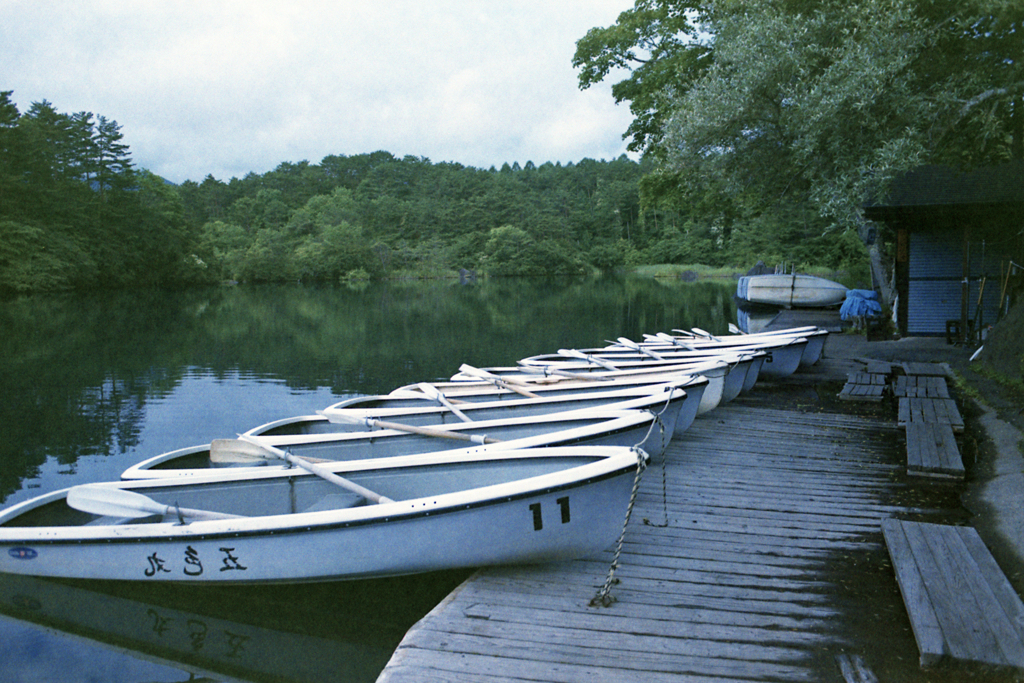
x: 764, y: 127
x: 76, y: 213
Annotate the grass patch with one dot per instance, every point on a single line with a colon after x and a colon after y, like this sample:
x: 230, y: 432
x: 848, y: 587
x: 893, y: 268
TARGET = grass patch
x: 965, y: 389
x: 673, y: 270
x: 668, y: 270
x: 1014, y: 386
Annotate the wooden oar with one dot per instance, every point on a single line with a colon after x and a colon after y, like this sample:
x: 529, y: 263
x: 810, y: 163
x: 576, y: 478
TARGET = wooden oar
x: 669, y: 339
x: 685, y: 333
x: 433, y: 393
x: 630, y: 344
x: 549, y: 371
x: 497, y: 381
x: 706, y: 334
x: 573, y: 353
x: 325, y: 474
x: 229, y: 451
x: 113, y: 502
x: 341, y: 417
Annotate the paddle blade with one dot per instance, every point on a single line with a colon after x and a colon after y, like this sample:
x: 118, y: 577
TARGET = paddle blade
x: 234, y: 451
x: 111, y: 502
x: 476, y: 372
x: 430, y: 391
x: 341, y: 417
x: 705, y: 334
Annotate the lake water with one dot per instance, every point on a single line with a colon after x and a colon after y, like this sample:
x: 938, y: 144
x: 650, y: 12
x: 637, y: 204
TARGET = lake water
x: 94, y: 383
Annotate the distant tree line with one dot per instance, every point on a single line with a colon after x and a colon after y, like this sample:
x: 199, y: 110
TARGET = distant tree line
x: 76, y: 213
x: 378, y: 215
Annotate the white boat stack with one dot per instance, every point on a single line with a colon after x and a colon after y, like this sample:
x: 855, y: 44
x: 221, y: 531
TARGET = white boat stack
x: 531, y: 462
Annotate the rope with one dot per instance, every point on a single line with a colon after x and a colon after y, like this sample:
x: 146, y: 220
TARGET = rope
x: 604, y: 598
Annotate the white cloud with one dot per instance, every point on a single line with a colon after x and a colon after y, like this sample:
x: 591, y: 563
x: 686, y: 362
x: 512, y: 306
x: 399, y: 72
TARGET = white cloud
x: 230, y: 87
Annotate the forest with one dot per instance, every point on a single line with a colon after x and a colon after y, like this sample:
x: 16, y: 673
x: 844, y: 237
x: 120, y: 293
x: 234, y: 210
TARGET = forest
x: 76, y: 213
x: 762, y: 130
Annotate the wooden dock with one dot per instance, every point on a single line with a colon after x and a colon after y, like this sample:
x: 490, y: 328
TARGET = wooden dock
x: 728, y: 570
x: 756, y: 553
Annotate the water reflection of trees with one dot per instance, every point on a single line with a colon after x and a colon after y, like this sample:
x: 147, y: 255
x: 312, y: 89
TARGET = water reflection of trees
x: 77, y: 370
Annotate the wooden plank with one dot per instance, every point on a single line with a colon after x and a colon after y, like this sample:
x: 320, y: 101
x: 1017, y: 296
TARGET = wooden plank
x: 936, y: 410
x: 923, y: 619
x: 869, y: 378
x: 928, y: 369
x: 862, y: 392
x: 879, y: 367
x: 959, y: 602
x: 918, y: 386
x: 932, y: 451
x: 1009, y: 644
x: 962, y: 618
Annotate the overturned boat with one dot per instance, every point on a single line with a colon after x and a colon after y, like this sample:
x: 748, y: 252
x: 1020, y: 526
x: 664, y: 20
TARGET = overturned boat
x: 790, y: 291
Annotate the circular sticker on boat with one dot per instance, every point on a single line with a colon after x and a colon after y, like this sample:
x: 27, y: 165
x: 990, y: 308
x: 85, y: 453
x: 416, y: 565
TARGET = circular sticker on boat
x: 23, y: 553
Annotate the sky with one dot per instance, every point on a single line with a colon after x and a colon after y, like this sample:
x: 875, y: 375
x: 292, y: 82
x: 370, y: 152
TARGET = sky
x: 229, y: 87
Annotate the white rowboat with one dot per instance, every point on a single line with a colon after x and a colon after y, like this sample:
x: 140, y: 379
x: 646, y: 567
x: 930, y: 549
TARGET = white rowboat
x: 574, y: 428
x: 493, y: 507
x: 668, y: 399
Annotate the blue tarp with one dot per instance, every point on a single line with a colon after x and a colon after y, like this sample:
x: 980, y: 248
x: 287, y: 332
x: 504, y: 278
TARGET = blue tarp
x: 860, y: 303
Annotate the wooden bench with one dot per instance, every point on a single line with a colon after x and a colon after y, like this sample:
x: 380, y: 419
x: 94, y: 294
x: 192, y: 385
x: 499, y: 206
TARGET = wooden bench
x: 920, y: 386
x: 959, y: 602
x: 863, y: 386
x: 932, y: 451
x: 934, y: 410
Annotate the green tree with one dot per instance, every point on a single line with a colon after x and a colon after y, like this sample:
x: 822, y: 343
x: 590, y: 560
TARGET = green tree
x: 658, y: 44
x: 10, y: 151
x: 755, y: 104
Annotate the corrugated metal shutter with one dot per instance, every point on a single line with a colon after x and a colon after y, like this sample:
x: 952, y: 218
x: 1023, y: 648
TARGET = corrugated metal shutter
x: 935, y: 271
x: 932, y: 303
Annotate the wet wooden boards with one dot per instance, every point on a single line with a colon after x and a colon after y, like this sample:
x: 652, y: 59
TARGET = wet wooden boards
x: 918, y: 386
x: 960, y: 604
x: 864, y: 386
x: 932, y: 451
x: 933, y: 410
x: 724, y: 571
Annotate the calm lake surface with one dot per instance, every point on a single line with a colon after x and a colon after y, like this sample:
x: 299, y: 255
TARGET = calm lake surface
x: 94, y: 383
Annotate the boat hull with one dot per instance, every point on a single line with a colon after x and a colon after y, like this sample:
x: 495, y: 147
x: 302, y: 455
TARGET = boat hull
x: 790, y: 291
